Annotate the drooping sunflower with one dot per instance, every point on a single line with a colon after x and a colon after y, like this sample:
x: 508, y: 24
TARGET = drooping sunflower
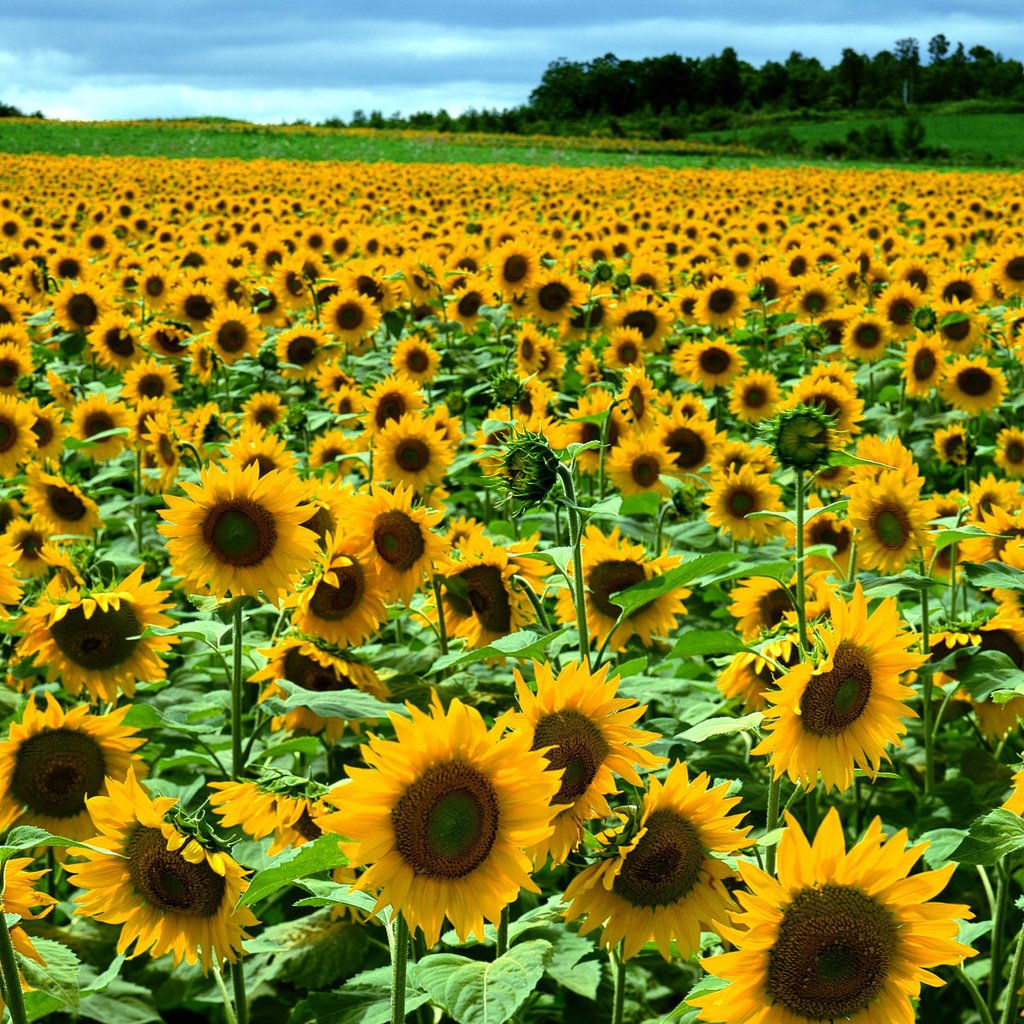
x: 238, y: 533
x: 170, y: 893
x: 98, y: 415
x: 734, y: 494
x: 973, y: 385
x: 20, y: 898
x: 344, y: 602
x: 93, y: 638
x: 840, y: 935
x: 845, y: 709
x: 53, y: 760
x: 660, y: 879
x: 611, y: 564
x: 888, y: 519
x: 402, y: 538
x: 588, y: 734
x: 61, y: 505
x: 411, y: 452
x: 302, y: 661
x: 442, y: 816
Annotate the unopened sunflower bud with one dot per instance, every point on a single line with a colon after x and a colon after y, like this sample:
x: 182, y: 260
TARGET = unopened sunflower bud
x: 622, y: 281
x: 506, y: 389
x: 924, y: 318
x: 802, y: 437
x: 530, y: 468
x: 603, y: 271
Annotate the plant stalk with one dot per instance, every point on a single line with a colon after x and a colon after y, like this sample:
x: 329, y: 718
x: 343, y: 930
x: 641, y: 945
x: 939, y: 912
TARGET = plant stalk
x: 399, y: 968
x: 576, y: 541
x: 9, y: 963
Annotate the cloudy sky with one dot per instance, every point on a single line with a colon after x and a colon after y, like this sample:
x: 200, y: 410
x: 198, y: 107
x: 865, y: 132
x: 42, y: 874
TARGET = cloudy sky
x: 273, y: 61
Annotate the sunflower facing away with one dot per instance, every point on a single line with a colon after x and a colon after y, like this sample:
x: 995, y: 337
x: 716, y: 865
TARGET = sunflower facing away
x: 846, y: 709
x: 169, y: 893
x: 660, y: 880
x: 93, y: 638
x: 442, y: 815
x: 53, y: 760
x: 587, y: 733
x: 840, y: 936
x: 237, y: 532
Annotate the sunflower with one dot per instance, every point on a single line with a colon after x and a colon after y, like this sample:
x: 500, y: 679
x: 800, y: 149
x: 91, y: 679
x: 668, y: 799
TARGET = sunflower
x: 710, y: 363
x: 552, y: 295
x: 160, y: 453
x: 344, y: 602
x: 238, y: 533
x: 515, y: 266
x: 442, y: 816
x: 760, y: 604
x: 95, y: 416
x: 896, y: 307
x: 583, y: 424
x: 329, y: 451
x: 254, y: 446
x: 350, y: 318
x: 78, y: 306
x: 660, y: 879
x: 62, y: 506
x: 15, y: 363
x: 414, y: 357
x: 300, y: 351
x: 690, y: 439
x: 960, y: 326
x: 28, y: 538
x: 748, y: 676
x: 303, y: 662
x: 169, y: 892
x: 93, y: 638
x: 888, y: 519
x: 10, y: 585
x: 721, y: 303
x: 611, y: 564
x: 624, y: 349
x: 53, y: 760
x: 923, y: 366
x: 828, y: 528
x: 1006, y: 268
x: 166, y: 339
x: 837, y: 399
x: 953, y: 445
x: 411, y: 452
x: 845, y: 709
x: 638, y: 463
x: 754, y: 396
x: 865, y: 337
x: 1009, y: 455
x: 638, y: 397
x: 19, y: 899
x: 838, y: 936
x: 587, y: 734
x: 402, y: 538
x: 233, y: 332
x: 734, y: 495
x: 973, y: 385
x: 390, y: 399
x: 17, y: 440
x: 149, y: 379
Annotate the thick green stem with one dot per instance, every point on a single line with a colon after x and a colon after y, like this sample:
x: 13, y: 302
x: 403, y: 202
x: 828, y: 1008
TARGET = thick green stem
x: 619, y: 982
x: 774, y: 798
x: 399, y: 967
x: 998, y: 924
x: 238, y: 985
x: 925, y: 673
x: 576, y: 541
x: 979, y: 1003
x: 138, y: 502
x: 442, y: 630
x: 237, y: 757
x: 501, y: 945
x: 1010, y: 1009
x: 801, y: 613
x: 9, y: 963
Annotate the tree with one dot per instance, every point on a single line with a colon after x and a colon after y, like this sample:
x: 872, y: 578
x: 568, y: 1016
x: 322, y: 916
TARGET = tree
x: 938, y: 47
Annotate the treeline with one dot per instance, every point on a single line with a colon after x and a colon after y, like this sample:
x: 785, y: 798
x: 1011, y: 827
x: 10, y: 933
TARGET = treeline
x: 9, y: 110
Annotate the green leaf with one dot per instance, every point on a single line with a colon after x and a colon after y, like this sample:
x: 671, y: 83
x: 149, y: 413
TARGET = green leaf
x: 721, y: 727
x: 320, y: 855
x: 28, y: 837
x: 332, y: 894
x: 565, y: 967
x: 707, y: 641
x: 982, y: 673
x: 944, y: 538
x: 683, y: 1013
x: 59, y: 978
x: 353, y: 1004
x: 351, y: 703
x: 145, y: 716
x: 646, y: 503
x: 942, y: 842
x: 706, y: 568
x: 849, y: 459
x: 995, y: 575
x: 990, y: 838
x: 476, y: 992
x: 523, y: 644
x: 889, y: 586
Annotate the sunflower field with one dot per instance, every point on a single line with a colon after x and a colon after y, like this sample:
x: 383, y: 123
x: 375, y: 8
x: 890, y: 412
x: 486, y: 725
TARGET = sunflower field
x: 474, y: 594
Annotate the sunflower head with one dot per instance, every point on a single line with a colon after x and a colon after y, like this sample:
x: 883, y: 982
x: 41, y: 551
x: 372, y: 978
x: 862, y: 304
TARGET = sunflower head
x: 530, y: 469
x: 802, y: 437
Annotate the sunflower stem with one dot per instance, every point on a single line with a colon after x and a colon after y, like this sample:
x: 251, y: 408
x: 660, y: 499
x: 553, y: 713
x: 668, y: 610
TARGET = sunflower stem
x: 138, y: 502
x: 238, y: 986
x: 774, y: 798
x: 237, y: 755
x: 1010, y: 1009
x: 996, y: 952
x: 979, y: 1003
x: 399, y: 967
x: 229, y: 1010
x: 442, y: 630
x: 619, y: 981
x: 9, y: 963
x: 926, y: 693
x: 576, y: 542
x: 801, y: 613
x: 501, y: 943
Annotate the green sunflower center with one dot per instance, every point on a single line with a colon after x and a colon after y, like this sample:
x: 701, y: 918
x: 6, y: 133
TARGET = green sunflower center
x: 664, y: 865
x: 168, y: 882
x: 446, y: 822
x: 645, y: 471
x: 578, y: 749
x: 834, y: 700
x: 607, y: 578
x: 103, y: 641
x: 398, y: 539
x: 239, y: 532
x: 55, y: 770
x: 833, y: 952
x: 891, y: 526
x: 333, y: 603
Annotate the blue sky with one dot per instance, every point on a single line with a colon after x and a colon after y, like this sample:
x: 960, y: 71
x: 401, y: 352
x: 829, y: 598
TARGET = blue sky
x: 264, y: 60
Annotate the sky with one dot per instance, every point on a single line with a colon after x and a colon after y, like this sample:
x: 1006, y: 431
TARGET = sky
x: 271, y: 61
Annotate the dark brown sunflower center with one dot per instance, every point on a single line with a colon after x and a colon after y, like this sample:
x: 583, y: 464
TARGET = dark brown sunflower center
x: 82, y: 310
x: 645, y: 470
x: 322, y: 521
x: 488, y: 598
x: 168, y: 882
x: 687, y: 446
x: 959, y: 290
x: 974, y: 381
x: 665, y: 864
x: 307, y: 672
x: 832, y: 955
x: 306, y: 826
x: 152, y: 385
x: 65, y: 504
x: 901, y: 312
x: 232, y: 336
x: 553, y: 296
x: 957, y: 331
x: 827, y: 531
x: 10, y: 370
x: 301, y: 351
x: 333, y: 603
x: 470, y: 303
x: 637, y: 402
x: 833, y: 700
x: 446, y: 822
x: 607, y: 578
x: 578, y: 750
x: 412, y: 455
x: 417, y: 361
x: 642, y: 320
x: 349, y: 316
x: 1005, y: 641
x: 398, y: 539
x: 924, y: 364
x: 891, y: 525
x: 628, y: 352
x: 773, y: 606
x: 103, y: 641
x: 867, y: 336
x: 721, y: 300
x: 239, y: 532
x: 55, y: 770
x: 199, y: 307
x: 515, y: 269
x: 8, y: 434
x: 97, y: 423
x: 814, y: 302
x: 1014, y: 452
x: 754, y: 397
x: 390, y: 407
x: 154, y: 287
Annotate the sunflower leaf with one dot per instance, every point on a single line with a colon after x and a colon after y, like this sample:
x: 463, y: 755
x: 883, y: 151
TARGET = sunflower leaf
x: 523, y: 644
x: 706, y: 568
x: 995, y: 575
x: 721, y: 727
x: 707, y: 641
x: 320, y: 855
x: 478, y: 992
x: 59, y: 978
x: 849, y: 459
x: 988, y: 673
x: 351, y: 703
x: 990, y: 838
x: 944, y: 538
x: 28, y: 837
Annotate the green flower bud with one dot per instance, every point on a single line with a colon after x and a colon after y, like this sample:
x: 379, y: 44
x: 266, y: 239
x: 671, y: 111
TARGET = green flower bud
x: 506, y: 389
x: 802, y: 437
x: 530, y: 469
x: 924, y: 318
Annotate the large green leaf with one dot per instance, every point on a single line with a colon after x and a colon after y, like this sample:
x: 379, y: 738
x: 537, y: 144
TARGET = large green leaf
x: 990, y: 838
x: 707, y: 641
x: 721, y: 727
x: 320, y: 855
x: 524, y: 643
x: 478, y: 992
x: 351, y: 703
x: 59, y: 978
x: 995, y: 575
x: 704, y: 568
